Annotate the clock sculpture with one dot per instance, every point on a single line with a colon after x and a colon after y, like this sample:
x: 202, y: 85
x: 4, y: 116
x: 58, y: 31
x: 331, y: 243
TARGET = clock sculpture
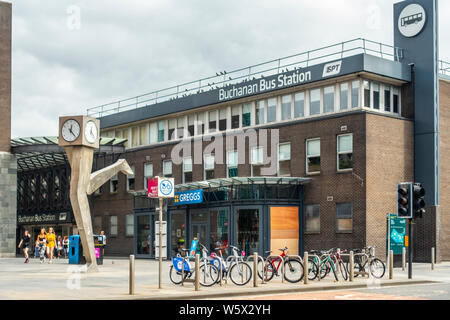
x: 79, y: 135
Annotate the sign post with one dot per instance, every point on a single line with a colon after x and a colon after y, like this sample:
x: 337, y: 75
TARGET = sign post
x: 396, y: 235
x: 160, y: 188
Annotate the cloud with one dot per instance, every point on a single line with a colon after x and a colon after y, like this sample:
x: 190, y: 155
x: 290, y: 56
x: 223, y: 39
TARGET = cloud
x: 126, y: 48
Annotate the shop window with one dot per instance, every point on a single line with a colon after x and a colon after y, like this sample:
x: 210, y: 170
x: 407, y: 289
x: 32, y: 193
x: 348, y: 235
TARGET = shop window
x: 167, y: 168
x: 172, y: 127
x: 260, y: 112
x: 312, y: 218
x: 313, y: 156
x: 343, y: 98
x: 247, y: 230
x: 223, y: 119
x: 235, y: 117
x: 272, y: 110
x: 161, y: 128
x: 366, y: 88
x: 187, y: 170
x: 219, y: 231
x: 212, y: 121
x: 200, y: 123
x: 178, y: 233
x: 355, y: 94
x: 143, y: 236
x: 387, y: 98
x: 376, y: 95
x: 328, y: 99
x: 191, y: 125
x: 114, y: 184
x: 344, y: 217
x: 246, y: 114
x: 148, y: 173
x: 314, y: 102
x: 345, y: 152
x: 129, y: 225
x: 299, y: 105
x: 286, y: 107
x: 257, y: 161
x: 181, y: 123
x: 131, y: 180
x: 113, y: 225
x: 232, y: 164
x: 209, y: 161
x: 284, y: 160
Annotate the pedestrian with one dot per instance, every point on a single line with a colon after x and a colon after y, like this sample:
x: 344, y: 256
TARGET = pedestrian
x: 40, y: 243
x: 59, y: 247
x: 102, y: 233
x: 66, y: 246
x: 51, y: 244
x: 26, y: 245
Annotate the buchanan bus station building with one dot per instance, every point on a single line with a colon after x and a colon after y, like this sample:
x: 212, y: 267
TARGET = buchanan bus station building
x: 303, y: 151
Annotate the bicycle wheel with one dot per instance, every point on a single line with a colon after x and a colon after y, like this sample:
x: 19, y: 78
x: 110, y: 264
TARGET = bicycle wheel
x: 324, y: 269
x: 175, y: 276
x: 240, y: 273
x: 377, y: 268
x: 269, y: 270
x: 313, y: 269
x: 208, y: 274
x: 343, y: 270
x: 293, y: 270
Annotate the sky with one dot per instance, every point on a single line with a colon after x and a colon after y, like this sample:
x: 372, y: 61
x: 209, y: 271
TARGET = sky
x: 71, y: 55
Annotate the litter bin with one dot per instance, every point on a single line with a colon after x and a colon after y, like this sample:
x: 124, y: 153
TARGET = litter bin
x: 99, y: 243
x: 75, y: 250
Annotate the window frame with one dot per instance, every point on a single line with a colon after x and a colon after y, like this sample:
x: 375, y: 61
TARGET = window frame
x: 116, y: 225
x: 131, y: 176
x: 114, y: 178
x: 237, y: 163
x: 338, y: 218
x: 171, y: 168
x: 290, y: 159
x: 313, y: 156
x: 305, y: 218
x: 127, y: 225
x: 204, y: 165
x: 338, y: 153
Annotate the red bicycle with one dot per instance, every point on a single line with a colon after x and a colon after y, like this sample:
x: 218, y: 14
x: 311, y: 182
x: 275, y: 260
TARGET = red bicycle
x: 293, y: 267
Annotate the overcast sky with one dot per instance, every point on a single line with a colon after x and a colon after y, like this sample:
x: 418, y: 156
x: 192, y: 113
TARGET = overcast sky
x: 117, y: 49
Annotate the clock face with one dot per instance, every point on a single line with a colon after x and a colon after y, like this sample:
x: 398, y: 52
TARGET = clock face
x: 70, y: 130
x: 91, y: 132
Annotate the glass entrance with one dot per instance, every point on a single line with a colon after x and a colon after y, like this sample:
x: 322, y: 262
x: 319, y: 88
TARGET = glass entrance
x: 199, y: 227
x: 247, y: 230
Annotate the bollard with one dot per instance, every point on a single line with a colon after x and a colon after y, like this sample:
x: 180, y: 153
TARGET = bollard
x: 403, y: 259
x: 255, y: 269
x: 197, y: 272
x: 352, y: 267
x: 131, y: 282
x: 391, y: 264
x: 305, y: 268
x: 432, y: 258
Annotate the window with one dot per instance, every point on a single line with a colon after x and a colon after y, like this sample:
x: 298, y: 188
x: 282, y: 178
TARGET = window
x: 256, y: 161
x: 396, y: 101
x: 134, y: 136
x: 376, y: 95
x: 223, y: 119
x: 153, y: 133
x: 387, y: 98
x: 246, y: 114
x: 345, y: 152
x: 328, y: 99
x: 314, y: 102
x: 191, y: 125
x: 366, y: 86
x: 232, y: 164
x: 272, y: 110
x: 284, y: 160
x: 113, y: 225
x: 235, y: 117
x: 200, y: 123
x: 129, y: 225
x: 299, y: 105
x: 286, y: 102
x: 344, y: 217
x: 114, y: 184
x: 312, y: 218
x: 161, y: 128
x: 148, y: 173
x: 313, y: 156
x: 172, y: 127
x: 98, y: 191
x: 167, y: 168
x: 212, y: 121
x: 355, y: 94
x: 209, y: 160
x: 343, y: 98
x: 181, y: 123
x: 142, y: 135
x: 187, y: 170
x: 130, y: 180
x: 260, y: 112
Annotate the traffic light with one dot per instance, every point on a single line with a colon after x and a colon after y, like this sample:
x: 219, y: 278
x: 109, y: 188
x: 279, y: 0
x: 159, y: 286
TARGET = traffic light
x: 404, y: 200
x: 419, y: 202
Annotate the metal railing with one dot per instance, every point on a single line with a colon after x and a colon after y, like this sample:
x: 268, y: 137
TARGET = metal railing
x: 444, y: 67
x: 223, y: 79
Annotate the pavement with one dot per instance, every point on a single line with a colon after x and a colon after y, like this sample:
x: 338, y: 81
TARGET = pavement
x: 61, y: 281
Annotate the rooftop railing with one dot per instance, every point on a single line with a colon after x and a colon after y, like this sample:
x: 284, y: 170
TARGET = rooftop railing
x: 268, y: 68
x: 444, y: 67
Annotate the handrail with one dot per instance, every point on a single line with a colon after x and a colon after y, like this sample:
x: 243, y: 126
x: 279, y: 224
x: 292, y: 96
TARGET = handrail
x: 323, y: 54
x: 444, y: 67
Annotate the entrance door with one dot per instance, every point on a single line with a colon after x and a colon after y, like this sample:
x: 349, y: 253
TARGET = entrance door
x: 248, y: 233
x: 143, y: 238
x: 200, y: 231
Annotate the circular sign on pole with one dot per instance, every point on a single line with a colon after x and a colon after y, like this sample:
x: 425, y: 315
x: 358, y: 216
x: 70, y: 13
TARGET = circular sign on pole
x: 166, y: 188
x: 412, y: 20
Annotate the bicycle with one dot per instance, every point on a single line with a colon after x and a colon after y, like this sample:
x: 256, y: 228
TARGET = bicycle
x: 376, y: 267
x: 234, y: 266
x: 292, y: 267
x: 208, y: 272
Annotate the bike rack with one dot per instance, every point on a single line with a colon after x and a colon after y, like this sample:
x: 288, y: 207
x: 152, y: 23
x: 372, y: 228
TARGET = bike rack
x: 182, y: 272
x: 250, y: 257
x: 363, y: 273
x: 332, y: 269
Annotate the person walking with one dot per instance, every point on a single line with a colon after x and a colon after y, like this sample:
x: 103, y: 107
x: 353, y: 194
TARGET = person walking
x: 59, y: 247
x: 51, y: 244
x: 26, y: 245
x: 40, y: 242
x: 66, y: 246
x: 102, y: 233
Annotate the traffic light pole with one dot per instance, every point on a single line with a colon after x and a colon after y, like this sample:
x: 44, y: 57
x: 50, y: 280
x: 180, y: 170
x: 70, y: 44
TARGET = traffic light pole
x: 410, y: 229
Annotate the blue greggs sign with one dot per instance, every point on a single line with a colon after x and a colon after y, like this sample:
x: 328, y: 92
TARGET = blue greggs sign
x: 188, y: 197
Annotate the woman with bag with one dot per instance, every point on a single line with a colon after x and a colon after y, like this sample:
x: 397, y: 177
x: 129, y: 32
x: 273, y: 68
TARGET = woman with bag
x: 51, y: 244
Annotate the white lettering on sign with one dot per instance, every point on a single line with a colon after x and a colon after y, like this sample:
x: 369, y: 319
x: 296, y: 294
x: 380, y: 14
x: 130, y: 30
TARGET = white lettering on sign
x: 332, y: 69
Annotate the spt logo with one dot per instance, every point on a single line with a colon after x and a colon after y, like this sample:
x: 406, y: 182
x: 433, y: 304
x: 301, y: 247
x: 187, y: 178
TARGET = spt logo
x: 166, y: 187
x: 332, y: 69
